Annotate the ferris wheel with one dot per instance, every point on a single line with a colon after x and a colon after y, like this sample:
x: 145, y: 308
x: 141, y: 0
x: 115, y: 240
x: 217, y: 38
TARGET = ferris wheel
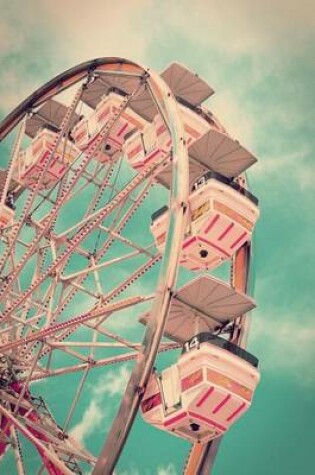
x: 120, y: 195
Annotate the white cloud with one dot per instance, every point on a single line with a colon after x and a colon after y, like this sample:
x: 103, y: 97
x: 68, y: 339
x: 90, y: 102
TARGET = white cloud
x: 286, y: 345
x: 238, y: 122
x: 131, y: 471
x: 244, y: 26
x: 168, y: 470
x: 111, y: 384
x: 15, y: 87
x: 87, y: 30
x: 10, y: 38
x: 162, y: 470
x: 295, y: 164
x: 91, y: 420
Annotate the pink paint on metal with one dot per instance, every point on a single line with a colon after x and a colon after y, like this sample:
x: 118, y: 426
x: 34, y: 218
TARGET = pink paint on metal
x: 30, y: 415
x: 212, y: 223
x: 221, y: 404
x: 235, y: 243
x: 218, y: 248
x: 226, y: 231
x: 237, y: 411
x: 190, y: 241
x: 205, y: 397
x: 5, y: 426
x: 207, y: 420
x: 50, y: 467
x: 175, y: 419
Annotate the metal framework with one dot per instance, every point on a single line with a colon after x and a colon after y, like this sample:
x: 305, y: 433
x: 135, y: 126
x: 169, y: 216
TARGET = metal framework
x: 76, y: 260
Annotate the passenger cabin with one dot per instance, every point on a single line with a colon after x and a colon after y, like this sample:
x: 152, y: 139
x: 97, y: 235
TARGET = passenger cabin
x: 221, y: 218
x: 7, y: 211
x: 213, y: 382
x: 32, y: 161
x: 87, y: 129
x: 205, y: 392
x: 154, y: 142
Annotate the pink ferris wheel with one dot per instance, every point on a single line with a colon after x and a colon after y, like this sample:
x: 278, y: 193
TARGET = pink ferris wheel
x: 120, y: 195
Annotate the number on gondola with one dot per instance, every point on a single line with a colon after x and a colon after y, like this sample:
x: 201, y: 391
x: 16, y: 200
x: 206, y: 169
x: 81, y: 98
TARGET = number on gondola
x: 191, y: 344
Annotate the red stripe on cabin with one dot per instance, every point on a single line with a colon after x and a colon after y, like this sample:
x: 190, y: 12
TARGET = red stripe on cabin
x: 46, y: 155
x: 160, y: 129
x: 102, y: 115
x: 191, y: 380
x: 154, y: 154
x: 151, y: 402
x: 80, y: 136
x: 190, y: 131
x: 54, y: 161
x: 134, y: 152
x: 175, y: 419
x: 226, y: 231
x: 205, y: 397
x: 62, y: 170
x: 122, y: 130
x: 221, y: 404
x: 206, y: 419
x: 190, y: 241
x: 113, y: 139
x: 218, y: 248
x: 235, y: 243
x: 237, y: 411
x: 150, y: 157
x: 212, y: 223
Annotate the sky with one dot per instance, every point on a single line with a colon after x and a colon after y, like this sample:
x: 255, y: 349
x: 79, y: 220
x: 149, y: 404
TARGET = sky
x: 259, y: 58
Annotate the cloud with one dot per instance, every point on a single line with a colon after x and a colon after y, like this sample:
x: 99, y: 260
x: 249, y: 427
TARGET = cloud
x: 285, y: 345
x: 162, y: 470
x: 87, y: 30
x: 10, y: 38
x: 168, y: 470
x: 91, y: 420
x: 245, y: 26
x: 296, y: 166
x: 130, y: 471
x: 111, y: 384
x: 239, y: 123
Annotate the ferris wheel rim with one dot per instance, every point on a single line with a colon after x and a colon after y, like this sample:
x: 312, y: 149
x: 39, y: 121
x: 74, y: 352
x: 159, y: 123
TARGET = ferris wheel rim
x: 57, y: 84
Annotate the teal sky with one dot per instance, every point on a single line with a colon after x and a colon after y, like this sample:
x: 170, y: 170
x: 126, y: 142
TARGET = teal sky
x: 259, y: 58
